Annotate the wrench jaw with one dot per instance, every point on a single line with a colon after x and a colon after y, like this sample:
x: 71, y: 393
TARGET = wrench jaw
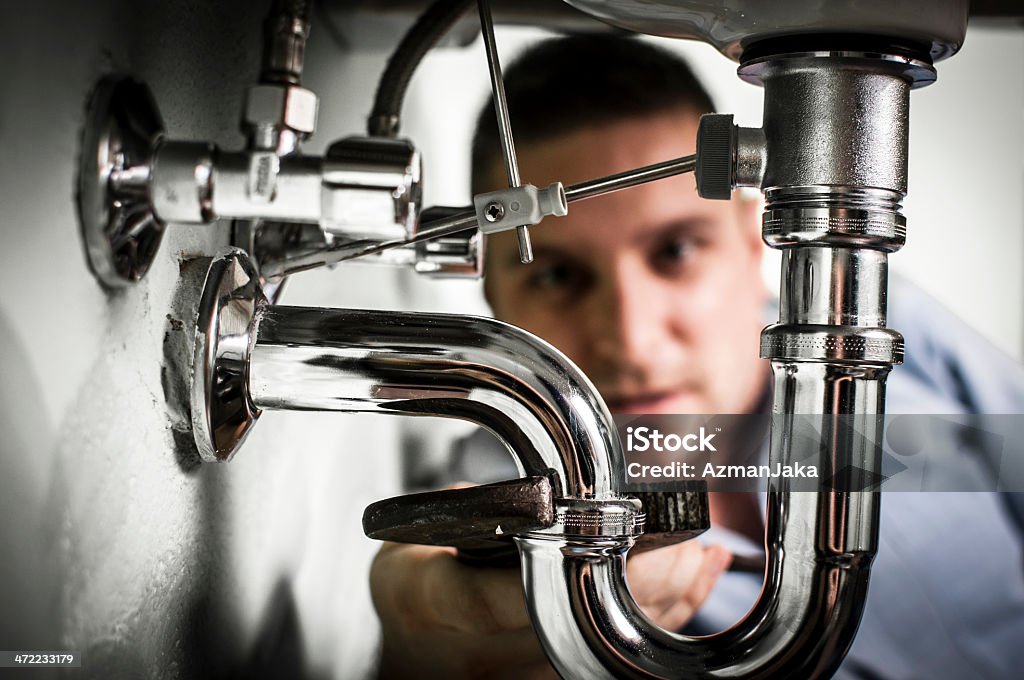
x: 481, y: 521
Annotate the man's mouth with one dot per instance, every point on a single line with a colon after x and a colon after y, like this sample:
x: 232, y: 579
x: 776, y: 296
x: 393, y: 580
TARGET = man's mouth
x: 652, y: 402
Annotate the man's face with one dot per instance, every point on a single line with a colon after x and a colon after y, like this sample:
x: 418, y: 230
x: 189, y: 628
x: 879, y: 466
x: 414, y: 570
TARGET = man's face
x: 654, y: 292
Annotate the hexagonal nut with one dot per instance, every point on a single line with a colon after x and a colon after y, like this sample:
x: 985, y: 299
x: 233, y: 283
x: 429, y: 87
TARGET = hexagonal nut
x: 285, y: 105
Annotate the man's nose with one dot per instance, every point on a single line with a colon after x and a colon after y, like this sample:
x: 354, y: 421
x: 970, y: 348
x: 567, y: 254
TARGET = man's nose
x: 635, y: 332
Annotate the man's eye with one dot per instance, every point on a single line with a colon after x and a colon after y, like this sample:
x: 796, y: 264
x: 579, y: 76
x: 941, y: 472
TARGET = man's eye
x: 554, y: 277
x: 673, y: 253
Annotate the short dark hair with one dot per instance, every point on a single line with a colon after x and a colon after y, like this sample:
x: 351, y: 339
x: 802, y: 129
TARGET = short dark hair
x: 565, y: 84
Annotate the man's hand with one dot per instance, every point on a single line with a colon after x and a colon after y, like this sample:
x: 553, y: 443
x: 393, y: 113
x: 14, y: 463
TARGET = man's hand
x: 671, y: 583
x: 443, y: 619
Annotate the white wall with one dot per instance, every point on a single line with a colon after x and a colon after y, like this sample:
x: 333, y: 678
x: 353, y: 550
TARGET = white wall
x: 965, y: 206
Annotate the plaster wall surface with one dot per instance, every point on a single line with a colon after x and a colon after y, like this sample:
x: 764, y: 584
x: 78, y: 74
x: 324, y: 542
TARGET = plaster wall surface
x: 116, y: 543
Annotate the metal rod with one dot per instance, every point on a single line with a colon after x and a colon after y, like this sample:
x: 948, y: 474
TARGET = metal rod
x: 508, y: 149
x: 630, y: 178
x: 465, y: 221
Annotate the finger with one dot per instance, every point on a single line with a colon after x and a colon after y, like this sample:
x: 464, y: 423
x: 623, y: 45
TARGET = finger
x: 396, y: 595
x: 656, y: 578
x: 513, y: 655
x: 430, y: 589
x: 670, y: 583
x: 715, y: 560
x: 681, y: 565
x: 474, y: 599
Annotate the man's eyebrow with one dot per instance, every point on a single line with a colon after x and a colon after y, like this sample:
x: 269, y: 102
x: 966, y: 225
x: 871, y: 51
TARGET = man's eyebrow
x: 695, y: 225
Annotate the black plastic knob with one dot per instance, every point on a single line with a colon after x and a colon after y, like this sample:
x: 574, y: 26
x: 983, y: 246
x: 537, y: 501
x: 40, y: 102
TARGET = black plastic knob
x: 716, y: 153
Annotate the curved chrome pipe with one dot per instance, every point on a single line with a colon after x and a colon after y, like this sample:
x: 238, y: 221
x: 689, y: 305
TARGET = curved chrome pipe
x: 488, y: 372
x: 820, y: 546
x: 251, y: 355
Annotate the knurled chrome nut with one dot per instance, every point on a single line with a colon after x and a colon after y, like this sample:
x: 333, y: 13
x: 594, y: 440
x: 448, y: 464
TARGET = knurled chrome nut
x: 288, y: 106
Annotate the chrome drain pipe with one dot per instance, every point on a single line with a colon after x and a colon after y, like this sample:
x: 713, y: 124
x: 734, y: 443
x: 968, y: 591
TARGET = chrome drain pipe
x: 834, y: 173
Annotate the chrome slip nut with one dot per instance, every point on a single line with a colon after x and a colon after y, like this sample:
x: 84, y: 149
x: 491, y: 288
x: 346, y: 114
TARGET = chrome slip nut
x: 597, y: 519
